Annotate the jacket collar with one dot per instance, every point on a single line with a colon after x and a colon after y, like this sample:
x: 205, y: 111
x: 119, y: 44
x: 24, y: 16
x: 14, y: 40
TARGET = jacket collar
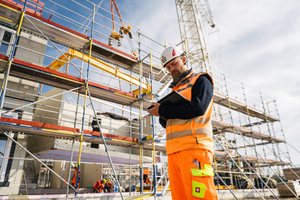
x: 184, y: 80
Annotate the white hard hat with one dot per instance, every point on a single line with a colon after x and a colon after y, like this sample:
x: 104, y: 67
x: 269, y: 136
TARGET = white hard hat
x: 169, y: 54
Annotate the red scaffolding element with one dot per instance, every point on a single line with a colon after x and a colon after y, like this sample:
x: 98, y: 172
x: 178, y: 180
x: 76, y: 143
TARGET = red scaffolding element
x: 38, y: 6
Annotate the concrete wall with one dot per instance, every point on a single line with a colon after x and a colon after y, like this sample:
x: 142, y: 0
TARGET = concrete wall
x: 40, y: 143
x: 19, y: 92
x: 48, y: 111
x: 32, y: 42
x: 91, y: 173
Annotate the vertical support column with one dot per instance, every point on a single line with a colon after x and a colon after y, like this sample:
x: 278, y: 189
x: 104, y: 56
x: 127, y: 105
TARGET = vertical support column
x: 140, y: 115
x: 75, y: 125
x: 11, y: 57
x: 282, y: 132
x: 130, y: 135
x: 85, y: 99
x: 231, y: 118
x: 229, y: 106
x: 250, y: 125
x: 272, y: 125
x: 153, y: 129
x: 141, y: 130
x: 269, y: 130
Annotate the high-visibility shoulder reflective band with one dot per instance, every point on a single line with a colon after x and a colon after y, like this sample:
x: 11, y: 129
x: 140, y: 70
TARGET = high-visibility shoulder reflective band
x: 207, y: 171
x: 199, y: 131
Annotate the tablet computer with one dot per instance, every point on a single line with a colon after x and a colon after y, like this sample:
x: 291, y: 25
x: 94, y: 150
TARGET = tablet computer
x: 172, y: 99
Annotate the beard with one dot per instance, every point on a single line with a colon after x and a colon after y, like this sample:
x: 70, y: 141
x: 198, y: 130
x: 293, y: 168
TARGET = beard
x: 178, y: 76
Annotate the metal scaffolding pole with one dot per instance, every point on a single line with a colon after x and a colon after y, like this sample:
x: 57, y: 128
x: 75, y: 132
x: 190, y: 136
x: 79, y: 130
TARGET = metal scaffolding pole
x: 85, y: 99
x: 153, y: 129
x: 106, y: 150
x: 140, y: 116
x: 75, y: 124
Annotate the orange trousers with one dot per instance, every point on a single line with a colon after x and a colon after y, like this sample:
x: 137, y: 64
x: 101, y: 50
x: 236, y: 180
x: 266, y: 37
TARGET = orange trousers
x: 182, y: 183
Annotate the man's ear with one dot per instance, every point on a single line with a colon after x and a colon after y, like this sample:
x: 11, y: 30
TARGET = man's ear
x: 183, y: 60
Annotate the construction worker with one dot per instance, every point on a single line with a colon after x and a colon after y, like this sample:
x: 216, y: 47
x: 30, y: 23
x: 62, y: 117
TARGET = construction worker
x: 188, y: 126
x: 108, y: 187
x: 103, y: 184
x: 146, y: 176
x: 75, y: 176
x: 98, y: 187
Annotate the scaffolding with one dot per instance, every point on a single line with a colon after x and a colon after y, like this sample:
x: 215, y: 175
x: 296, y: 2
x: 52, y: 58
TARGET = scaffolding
x: 84, y: 98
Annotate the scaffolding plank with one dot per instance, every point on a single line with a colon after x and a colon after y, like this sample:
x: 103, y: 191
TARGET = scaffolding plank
x: 223, y: 155
x: 224, y: 126
x: 241, y: 107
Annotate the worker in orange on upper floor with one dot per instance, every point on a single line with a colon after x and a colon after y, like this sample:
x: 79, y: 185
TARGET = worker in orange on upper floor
x: 75, y: 176
x: 146, y: 176
x: 188, y: 126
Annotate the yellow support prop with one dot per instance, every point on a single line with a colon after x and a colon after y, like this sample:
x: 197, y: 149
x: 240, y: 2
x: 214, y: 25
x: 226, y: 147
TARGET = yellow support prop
x: 99, y: 64
x: 55, y: 65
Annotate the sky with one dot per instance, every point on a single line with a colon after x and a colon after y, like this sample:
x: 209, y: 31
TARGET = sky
x: 257, y: 43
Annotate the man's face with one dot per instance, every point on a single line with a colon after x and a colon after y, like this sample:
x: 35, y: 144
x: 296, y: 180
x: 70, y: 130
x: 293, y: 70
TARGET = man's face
x: 177, y: 68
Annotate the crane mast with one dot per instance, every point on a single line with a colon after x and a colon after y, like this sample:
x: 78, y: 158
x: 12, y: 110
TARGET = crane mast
x: 190, y: 15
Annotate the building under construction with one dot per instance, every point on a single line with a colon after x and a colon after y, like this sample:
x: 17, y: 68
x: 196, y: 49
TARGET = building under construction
x: 76, y: 82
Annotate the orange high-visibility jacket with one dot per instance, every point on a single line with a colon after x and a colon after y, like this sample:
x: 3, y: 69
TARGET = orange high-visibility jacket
x: 181, y: 133
x: 75, y: 177
x: 109, y: 186
x: 146, y: 171
x: 97, y: 185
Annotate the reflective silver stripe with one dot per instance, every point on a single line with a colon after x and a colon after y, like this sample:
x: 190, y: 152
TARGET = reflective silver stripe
x: 198, y: 120
x: 179, y: 134
x: 202, y: 120
x: 181, y: 121
x: 203, y: 131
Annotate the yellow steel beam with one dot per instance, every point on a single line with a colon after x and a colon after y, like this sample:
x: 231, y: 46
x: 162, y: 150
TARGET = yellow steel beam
x: 56, y: 64
x: 99, y: 64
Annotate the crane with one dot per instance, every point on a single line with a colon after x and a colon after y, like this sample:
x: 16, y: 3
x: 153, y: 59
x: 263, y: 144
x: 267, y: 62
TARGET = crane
x: 123, y: 29
x: 191, y: 14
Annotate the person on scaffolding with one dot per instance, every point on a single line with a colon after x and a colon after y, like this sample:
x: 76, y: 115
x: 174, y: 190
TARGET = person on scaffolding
x: 75, y: 176
x: 99, y: 186
x: 188, y: 126
x: 108, y: 188
x: 146, y: 176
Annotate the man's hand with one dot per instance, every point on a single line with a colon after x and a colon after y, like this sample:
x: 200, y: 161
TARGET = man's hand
x: 154, y: 111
